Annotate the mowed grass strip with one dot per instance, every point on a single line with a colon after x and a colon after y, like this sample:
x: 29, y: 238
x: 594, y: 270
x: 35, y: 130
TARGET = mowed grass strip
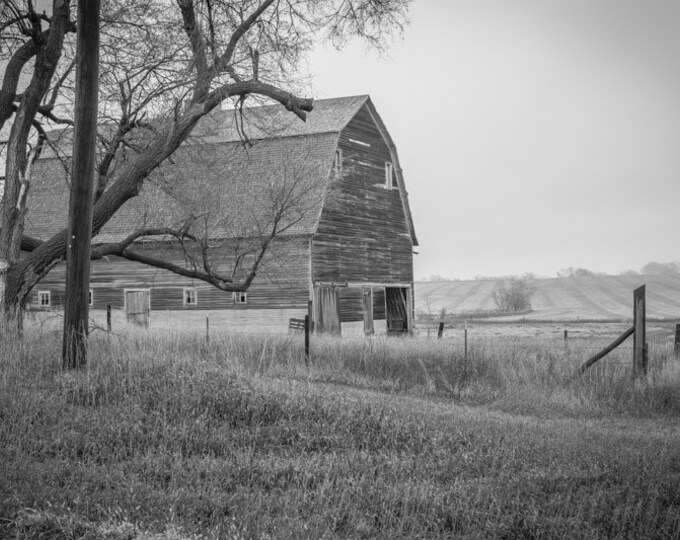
x: 168, y: 437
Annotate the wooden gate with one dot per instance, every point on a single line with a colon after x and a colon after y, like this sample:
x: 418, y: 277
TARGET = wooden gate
x: 138, y: 306
x: 327, y: 309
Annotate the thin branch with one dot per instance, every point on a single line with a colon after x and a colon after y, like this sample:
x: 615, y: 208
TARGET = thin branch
x: 240, y: 31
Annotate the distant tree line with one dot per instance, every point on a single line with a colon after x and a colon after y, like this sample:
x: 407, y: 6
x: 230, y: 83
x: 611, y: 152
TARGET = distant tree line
x: 656, y: 268
x: 649, y: 269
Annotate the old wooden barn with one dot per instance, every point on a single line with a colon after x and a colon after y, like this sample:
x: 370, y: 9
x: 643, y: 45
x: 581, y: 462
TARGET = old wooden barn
x: 332, y: 185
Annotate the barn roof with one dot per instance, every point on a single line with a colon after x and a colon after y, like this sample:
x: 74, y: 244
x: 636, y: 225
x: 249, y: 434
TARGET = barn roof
x: 274, y: 121
x: 225, y: 186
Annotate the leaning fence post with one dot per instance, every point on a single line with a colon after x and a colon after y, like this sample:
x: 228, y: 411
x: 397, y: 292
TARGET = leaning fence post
x: 676, y: 346
x: 440, y: 332
x: 307, y: 330
x: 108, y: 318
x: 639, y: 337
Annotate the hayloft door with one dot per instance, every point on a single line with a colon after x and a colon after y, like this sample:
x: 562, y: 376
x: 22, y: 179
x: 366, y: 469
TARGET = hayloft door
x: 327, y: 309
x: 138, y: 306
x: 368, y: 311
x: 397, y: 309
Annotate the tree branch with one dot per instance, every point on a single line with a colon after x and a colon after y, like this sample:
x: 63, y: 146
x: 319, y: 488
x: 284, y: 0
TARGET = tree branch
x: 299, y: 106
x: 225, y: 59
x: 197, y: 41
x: 11, y: 79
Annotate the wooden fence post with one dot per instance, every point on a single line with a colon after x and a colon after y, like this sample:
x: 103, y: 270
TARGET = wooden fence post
x: 307, y: 331
x: 639, y: 337
x: 207, y: 328
x: 466, y: 344
x: 440, y: 332
x: 566, y: 335
x: 310, y: 313
x: 676, y: 346
x: 108, y: 317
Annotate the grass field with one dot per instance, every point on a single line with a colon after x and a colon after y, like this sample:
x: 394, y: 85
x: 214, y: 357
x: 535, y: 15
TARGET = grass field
x: 165, y: 436
x: 562, y: 299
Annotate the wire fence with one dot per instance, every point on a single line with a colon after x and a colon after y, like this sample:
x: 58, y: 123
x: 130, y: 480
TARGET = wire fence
x: 580, y: 340
x: 575, y: 340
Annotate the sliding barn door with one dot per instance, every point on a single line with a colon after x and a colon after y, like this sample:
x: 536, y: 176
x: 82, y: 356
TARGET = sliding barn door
x: 327, y: 309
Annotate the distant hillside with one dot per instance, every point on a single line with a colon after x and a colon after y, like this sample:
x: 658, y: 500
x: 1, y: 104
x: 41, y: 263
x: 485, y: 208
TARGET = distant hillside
x: 588, y: 297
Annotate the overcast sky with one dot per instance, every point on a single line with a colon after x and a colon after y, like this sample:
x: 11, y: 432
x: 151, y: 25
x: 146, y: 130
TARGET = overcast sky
x: 534, y: 134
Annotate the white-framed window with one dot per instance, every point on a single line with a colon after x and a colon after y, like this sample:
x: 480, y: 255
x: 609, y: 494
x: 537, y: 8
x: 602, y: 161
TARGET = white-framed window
x: 240, y: 298
x: 44, y: 298
x: 90, y: 298
x: 190, y: 296
x: 338, y: 160
x: 388, y: 175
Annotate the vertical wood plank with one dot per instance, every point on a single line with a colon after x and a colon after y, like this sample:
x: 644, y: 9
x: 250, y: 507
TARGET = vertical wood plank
x: 307, y: 332
x: 368, y: 311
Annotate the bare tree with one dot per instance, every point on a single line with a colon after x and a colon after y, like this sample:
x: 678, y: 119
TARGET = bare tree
x: 164, y: 66
x: 514, y: 294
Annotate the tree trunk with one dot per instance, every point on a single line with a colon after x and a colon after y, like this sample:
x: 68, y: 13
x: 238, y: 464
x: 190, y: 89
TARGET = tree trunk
x: 76, y: 306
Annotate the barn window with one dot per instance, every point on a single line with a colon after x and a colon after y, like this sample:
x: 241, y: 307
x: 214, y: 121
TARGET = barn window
x: 190, y: 297
x: 44, y: 298
x: 240, y: 298
x: 90, y: 298
x: 338, y: 160
x: 388, y: 175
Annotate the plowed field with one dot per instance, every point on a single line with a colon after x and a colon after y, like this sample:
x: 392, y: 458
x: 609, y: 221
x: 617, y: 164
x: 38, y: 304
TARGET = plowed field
x: 559, y: 299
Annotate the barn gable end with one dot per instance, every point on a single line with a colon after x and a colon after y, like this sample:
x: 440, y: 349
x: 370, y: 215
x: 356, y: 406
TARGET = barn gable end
x: 363, y: 244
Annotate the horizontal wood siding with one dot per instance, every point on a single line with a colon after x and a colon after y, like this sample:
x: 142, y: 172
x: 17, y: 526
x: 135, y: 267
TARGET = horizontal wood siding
x: 282, y: 282
x: 351, y: 306
x: 363, y: 234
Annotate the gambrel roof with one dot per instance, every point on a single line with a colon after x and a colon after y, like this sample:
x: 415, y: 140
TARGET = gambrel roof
x: 222, y: 183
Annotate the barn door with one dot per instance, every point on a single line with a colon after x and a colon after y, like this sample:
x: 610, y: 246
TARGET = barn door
x: 396, y: 308
x: 368, y: 311
x: 327, y: 309
x: 137, y: 307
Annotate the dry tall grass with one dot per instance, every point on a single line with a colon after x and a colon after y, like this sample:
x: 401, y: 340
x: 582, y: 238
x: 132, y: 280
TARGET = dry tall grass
x: 165, y: 436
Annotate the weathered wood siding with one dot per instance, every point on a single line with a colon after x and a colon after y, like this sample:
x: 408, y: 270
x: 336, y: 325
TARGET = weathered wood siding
x: 351, y: 304
x: 352, y: 307
x: 282, y: 283
x: 363, y: 235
